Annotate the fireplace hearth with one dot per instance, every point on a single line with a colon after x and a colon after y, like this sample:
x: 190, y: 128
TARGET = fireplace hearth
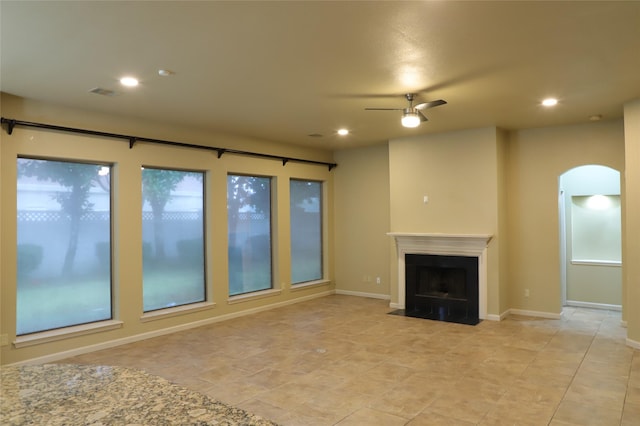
x: 443, y: 288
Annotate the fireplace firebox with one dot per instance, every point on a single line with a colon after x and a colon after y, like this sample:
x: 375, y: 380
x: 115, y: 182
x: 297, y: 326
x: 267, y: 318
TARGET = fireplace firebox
x: 444, y: 288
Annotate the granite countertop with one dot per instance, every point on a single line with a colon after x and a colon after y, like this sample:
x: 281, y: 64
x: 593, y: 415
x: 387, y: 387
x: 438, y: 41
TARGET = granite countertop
x: 69, y: 394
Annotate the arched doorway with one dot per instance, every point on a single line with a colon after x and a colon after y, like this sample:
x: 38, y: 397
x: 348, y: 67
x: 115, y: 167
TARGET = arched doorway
x: 590, y: 233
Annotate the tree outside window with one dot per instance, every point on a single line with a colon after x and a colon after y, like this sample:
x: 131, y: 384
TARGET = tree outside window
x: 64, y: 244
x: 306, y: 230
x: 173, y: 238
x: 249, y: 233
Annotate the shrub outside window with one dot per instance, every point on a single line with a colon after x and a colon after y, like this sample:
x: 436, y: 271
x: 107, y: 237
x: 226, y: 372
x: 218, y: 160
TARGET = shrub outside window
x: 173, y: 254
x: 249, y: 233
x: 63, y: 244
x: 306, y: 230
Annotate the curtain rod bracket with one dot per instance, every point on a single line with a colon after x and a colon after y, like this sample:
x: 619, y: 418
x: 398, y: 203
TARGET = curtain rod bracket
x: 10, y: 124
x: 285, y: 161
x: 221, y: 151
x: 331, y: 166
x: 132, y: 142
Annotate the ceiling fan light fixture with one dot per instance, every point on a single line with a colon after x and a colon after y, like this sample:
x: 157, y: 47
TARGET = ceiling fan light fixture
x: 410, y: 119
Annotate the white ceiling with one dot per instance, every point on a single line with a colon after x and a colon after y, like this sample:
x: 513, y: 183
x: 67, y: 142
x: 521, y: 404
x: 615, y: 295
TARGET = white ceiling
x: 284, y: 70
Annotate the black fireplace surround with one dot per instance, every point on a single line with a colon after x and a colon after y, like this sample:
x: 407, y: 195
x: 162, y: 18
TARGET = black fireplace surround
x: 443, y: 288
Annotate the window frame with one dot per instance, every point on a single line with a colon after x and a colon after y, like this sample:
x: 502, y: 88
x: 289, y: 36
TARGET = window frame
x: 322, y: 225
x: 272, y: 289
x: 71, y: 330
x: 205, y: 303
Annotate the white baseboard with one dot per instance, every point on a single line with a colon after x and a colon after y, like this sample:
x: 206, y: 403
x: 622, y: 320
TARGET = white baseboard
x: 633, y: 343
x: 494, y: 317
x: 143, y: 336
x: 363, y: 294
x: 591, y: 305
x: 537, y: 314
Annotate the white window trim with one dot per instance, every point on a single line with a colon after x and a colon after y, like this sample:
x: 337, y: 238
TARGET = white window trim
x: 176, y: 311
x: 254, y: 296
x: 591, y: 262
x: 65, y: 333
x: 308, y: 284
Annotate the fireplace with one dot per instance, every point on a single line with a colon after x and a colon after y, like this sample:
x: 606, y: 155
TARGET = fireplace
x: 442, y: 301
x: 443, y: 288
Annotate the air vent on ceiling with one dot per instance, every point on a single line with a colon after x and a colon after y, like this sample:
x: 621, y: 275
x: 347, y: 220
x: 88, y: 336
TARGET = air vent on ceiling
x: 103, y: 92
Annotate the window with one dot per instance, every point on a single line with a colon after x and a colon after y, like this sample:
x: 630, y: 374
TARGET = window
x: 249, y: 216
x: 64, y: 244
x: 306, y: 230
x: 173, y: 255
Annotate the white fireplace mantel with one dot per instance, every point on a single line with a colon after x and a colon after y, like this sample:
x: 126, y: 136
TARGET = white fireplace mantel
x: 473, y: 245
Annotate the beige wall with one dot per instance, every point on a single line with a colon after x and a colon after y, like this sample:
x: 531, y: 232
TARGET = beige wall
x: 126, y: 214
x: 456, y: 170
x: 631, y: 221
x: 362, y: 221
x: 594, y: 284
x: 501, y: 248
x: 478, y: 181
x: 461, y: 174
x: 536, y: 159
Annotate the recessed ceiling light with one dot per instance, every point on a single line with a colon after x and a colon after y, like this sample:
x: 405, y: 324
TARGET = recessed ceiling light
x: 129, y: 81
x: 596, y: 117
x: 165, y: 73
x: 549, y: 102
x: 343, y: 132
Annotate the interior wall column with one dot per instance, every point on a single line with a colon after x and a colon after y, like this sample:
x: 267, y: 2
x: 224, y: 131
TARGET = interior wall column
x: 631, y: 223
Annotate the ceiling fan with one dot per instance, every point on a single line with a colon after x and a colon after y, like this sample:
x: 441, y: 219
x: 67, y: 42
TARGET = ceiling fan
x: 412, y: 116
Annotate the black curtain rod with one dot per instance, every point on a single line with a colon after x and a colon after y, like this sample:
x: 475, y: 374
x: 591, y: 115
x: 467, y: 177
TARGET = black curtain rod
x: 11, y: 123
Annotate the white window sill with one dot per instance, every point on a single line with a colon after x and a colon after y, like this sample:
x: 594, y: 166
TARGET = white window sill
x: 309, y: 284
x: 590, y: 262
x: 178, y: 310
x: 65, y: 333
x: 254, y: 296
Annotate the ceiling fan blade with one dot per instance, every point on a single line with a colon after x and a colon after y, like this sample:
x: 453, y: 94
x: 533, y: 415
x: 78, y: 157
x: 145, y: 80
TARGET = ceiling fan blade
x: 425, y: 105
x: 384, y: 109
x: 422, y: 116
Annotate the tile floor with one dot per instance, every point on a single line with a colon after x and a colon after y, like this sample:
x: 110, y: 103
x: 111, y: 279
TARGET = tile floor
x: 342, y: 360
